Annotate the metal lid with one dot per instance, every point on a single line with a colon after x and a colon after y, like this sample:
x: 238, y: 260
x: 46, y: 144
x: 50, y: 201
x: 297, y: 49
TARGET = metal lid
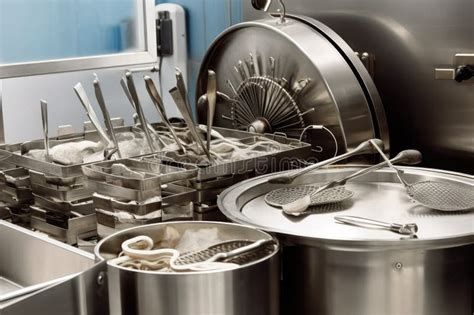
x: 336, y: 84
x: 377, y: 196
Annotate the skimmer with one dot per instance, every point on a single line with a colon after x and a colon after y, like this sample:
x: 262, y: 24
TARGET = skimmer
x: 443, y: 196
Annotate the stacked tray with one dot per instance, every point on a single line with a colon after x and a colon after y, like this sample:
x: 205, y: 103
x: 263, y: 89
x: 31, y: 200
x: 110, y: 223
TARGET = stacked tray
x: 15, y: 194
x: 129, y: 192
x: 213, y: 179
x: 62, y: 207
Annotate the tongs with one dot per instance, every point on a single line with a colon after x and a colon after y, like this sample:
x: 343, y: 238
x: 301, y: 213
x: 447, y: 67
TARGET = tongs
x: 160, y: 108
x: 404, y: 229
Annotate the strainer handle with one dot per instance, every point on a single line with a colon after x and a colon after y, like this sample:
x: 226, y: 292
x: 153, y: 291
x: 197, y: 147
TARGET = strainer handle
x: 362, y: 222
x: 399, y: 172
x: 408, y: 157
x: 365, y: 147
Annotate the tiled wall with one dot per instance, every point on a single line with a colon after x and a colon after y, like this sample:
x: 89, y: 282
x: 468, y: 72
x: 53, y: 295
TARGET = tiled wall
x: 33, y: 30
x: 205, y: 20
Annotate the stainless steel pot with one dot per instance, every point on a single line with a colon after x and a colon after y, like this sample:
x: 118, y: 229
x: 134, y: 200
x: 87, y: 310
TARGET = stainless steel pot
x: 331, y: 268
x: 250, y: 289
x: 340, y: 90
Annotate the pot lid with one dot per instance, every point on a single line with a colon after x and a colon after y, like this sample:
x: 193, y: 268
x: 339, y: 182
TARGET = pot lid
x: 314, y: 77
x: 378, y: 196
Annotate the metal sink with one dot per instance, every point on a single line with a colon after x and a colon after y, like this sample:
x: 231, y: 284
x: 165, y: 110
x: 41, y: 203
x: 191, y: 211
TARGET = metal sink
x: 30, y: 261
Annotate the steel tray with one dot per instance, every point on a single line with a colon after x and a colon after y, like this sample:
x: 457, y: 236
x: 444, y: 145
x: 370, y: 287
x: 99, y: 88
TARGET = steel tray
x: 84, y: 207
x: 262, y: 164
x: 156, y: 173
x: 78, y: 226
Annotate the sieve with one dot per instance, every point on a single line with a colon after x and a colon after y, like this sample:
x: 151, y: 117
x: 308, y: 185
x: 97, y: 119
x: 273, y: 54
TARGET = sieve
x: 138, y: 253
x: 295, y: 200
x: 223, y: 252
x: 436, y: 195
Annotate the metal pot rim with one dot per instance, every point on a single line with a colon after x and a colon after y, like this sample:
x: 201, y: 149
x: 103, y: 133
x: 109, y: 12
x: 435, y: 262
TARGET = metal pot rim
x: 352, y: 244
x: 99, y: 257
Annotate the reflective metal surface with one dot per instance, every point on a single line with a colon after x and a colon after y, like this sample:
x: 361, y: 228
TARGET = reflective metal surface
x: 409, y: 40
x: 377, y: 195
x: 331, y: 268
x: 344, y: 100
x: 252, y: 289
x: 27, y: 259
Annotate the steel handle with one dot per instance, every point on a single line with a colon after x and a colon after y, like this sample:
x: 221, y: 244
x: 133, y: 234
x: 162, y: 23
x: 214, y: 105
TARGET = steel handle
x: 105, y: 113
x: 398, y: 171
x: 363, y: 148
x: 155, y: 97
x: 160, y: 108
x: 362, y: 222
x: 182, y: 89
x: 82, y: 95
x: 245, y: 249
x: 211, y: 104
x: 139, y: 109
x: 410, y: 157
x: 44, y: 119
x: 183, y: 109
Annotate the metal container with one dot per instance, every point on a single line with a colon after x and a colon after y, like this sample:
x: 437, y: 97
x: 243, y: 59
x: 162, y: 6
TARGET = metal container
x: 331, y: 268
x: 406, y: 44
x: 252, y: 289
x: 340, y: 94
x: 30, y: 261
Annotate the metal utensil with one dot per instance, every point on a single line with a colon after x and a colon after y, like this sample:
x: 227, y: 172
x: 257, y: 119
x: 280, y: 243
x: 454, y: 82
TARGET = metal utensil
x: 139, y: 109
x: 105, y: 113
x: 181, y: 85
x: 211, y: 104
x: 261, y: 5
x: 441, y: 196
x: 82, y: 95
x: 160, y: 107
x: 125, y: 89
x: 182, y: 107
x: 331, y: 192
x: 224, y: 251
x: 365, y: 147
x: 405, y: 229
x: 44, y: 120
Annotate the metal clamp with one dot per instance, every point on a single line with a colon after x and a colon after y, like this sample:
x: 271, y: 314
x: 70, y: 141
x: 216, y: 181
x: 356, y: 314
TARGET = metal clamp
x: 463, y: 69
x: 264, y: 5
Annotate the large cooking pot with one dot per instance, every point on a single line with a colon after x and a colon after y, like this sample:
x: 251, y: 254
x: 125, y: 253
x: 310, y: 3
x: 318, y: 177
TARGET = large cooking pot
x: 332, y: 269
x: 252, y: 289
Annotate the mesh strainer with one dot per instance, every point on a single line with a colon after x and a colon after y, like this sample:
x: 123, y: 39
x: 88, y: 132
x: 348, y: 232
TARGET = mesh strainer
x: 295, y: 200
x: 284, y: 196
x: 443, y: 196
x: 229, y: 254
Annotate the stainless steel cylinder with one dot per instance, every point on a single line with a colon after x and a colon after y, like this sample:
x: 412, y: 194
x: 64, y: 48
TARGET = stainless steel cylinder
x: 250, y: 289
x: 331, y: 268
x: 333, y: 281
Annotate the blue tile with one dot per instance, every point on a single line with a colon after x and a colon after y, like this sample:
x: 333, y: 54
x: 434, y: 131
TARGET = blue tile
x: 217, y: 18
